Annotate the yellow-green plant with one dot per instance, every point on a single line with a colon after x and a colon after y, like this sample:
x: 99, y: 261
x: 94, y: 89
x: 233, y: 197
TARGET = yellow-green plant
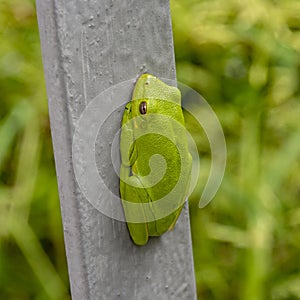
x: 243, y: 57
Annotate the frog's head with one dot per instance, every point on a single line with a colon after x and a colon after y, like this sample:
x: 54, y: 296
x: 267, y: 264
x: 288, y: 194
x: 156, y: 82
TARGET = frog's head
x: 152, y: 96
x: 150, y: 87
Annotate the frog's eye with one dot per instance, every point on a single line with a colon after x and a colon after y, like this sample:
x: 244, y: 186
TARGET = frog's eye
x: 143, y: 107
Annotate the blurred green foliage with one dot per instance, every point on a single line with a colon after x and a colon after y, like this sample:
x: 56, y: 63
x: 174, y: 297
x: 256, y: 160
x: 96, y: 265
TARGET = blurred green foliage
x: 32, y: 256
x: 243, y: 57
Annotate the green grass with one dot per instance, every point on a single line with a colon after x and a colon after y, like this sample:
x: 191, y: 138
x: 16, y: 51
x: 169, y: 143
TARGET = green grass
x: 32, y: 257
x: 243, y: 57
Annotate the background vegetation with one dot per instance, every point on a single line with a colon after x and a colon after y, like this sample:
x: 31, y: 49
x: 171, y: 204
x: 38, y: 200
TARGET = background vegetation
x: 243, y: 57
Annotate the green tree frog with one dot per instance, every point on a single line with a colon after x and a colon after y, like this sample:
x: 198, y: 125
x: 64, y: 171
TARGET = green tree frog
x: 155, y: 160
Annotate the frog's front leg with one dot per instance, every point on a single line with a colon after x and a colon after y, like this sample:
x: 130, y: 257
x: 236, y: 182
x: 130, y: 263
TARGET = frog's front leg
x: 131, y: 188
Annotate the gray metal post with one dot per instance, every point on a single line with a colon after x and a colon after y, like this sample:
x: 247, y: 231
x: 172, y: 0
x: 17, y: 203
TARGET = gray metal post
x: 87, y: 47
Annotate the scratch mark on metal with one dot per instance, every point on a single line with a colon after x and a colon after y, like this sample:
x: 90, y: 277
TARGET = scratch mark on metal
x: 83, y: 64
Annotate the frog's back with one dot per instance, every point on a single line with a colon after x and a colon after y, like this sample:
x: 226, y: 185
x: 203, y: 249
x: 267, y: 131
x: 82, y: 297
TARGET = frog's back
x: 168, y: 140
x: 159, y: 129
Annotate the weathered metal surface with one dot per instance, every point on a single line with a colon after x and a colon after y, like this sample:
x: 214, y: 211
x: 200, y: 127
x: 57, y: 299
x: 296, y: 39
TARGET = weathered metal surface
x: 87, y: 47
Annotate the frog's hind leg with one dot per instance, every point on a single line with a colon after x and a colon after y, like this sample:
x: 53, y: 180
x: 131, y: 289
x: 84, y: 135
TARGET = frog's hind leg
x: 176, y: 216
x: 133, y: 194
